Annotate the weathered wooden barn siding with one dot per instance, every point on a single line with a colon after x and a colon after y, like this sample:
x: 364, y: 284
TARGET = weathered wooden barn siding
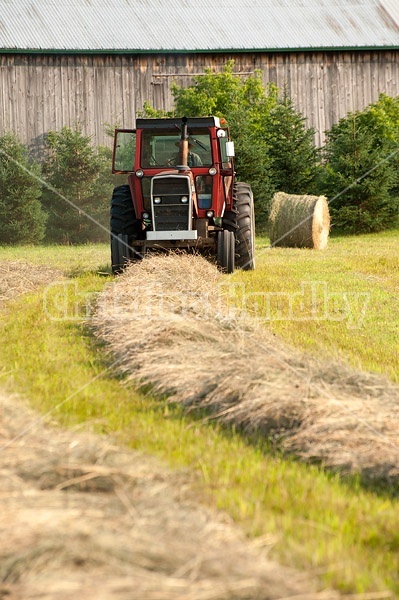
x: 43, y: 92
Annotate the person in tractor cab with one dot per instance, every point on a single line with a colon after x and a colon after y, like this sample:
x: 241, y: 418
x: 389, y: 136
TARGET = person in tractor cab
x: 194, y: 160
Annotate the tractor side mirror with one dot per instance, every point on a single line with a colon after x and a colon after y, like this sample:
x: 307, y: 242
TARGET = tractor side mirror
x: 230, y: 149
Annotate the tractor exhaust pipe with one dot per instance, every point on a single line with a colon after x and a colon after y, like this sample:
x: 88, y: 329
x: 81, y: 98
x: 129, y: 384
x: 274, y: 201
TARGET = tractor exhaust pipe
x: 183, y: 144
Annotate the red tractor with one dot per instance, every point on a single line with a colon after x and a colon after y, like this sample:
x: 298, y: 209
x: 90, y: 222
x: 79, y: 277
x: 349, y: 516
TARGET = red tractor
x: 181, y: 193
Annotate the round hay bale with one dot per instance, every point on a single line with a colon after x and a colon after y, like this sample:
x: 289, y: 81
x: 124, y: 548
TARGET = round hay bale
x: 299, y: 221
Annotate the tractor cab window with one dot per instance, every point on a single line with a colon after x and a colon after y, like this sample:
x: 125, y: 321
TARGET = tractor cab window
x: 124, y: 151
x: 200, y: 144
x: 161, y: 149
x: 156, y: 149
x: 203, y: 184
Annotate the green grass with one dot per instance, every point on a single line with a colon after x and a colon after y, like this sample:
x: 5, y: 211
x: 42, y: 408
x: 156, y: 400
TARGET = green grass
x: 71, y: 260
x: 353, y: 314
x: 314, y: 520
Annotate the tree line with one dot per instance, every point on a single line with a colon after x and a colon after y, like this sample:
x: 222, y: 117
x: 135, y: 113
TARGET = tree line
x: 50, y: 199
x: 59, y: 197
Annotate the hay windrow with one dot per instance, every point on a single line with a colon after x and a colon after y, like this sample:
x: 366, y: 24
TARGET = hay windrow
x: 82, y: 518
x: 168, y: 321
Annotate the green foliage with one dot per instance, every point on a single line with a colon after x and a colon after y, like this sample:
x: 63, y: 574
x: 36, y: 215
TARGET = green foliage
x: 292, y: 151
x: 149, y: 112
x: 253, y: 163
x: 80, y: 185
x: 212, y: 94
x: 360, y: 176
x: 22, y: 219
x: 385, y: 113
x: 274, y: 149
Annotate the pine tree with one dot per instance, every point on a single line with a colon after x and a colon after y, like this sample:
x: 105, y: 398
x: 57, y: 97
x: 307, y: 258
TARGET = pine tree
x: 22, y: 219
x: 358, y: 176
x: 292, y: 152
x: 81, y: 175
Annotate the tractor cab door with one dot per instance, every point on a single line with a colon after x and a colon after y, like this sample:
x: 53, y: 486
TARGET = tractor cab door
x: 227, y: 171
x: 124, y: 151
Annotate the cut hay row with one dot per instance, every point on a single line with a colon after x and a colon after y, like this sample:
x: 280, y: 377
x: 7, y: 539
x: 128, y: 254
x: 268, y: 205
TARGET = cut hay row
x: 299, y: 221
x: 83, y: 519
x: 18, y: 277
x: 166, y: 319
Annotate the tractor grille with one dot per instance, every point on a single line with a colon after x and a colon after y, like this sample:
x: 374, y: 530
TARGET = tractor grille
x: 171, y: 214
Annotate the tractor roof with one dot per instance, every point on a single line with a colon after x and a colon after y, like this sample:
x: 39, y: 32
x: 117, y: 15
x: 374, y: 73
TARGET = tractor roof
x: 173, y: 124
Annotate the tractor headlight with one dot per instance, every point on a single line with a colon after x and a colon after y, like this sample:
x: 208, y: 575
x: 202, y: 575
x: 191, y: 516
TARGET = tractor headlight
x: 210, y: 213
x: 212, y: 171
x: 184, y: 199
x: 139, y: 173
x: 145, y: 215
x: 157, y: 200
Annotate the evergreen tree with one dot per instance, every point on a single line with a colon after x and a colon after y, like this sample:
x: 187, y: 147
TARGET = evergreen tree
x: 22, y: 219
x: 81, y: 175
x: 294, y: 157
x: 253, y: 162
x: 359, y: 175
x: 385, y: 116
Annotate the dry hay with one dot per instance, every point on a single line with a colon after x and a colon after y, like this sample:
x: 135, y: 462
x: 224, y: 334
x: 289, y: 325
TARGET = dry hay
x: 299, y: 221
x: 81, y: 518
x: 19, y: 277
x: 167, y: 322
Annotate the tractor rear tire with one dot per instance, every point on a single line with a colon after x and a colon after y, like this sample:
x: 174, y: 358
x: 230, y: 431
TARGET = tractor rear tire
x: 120, y: 252
x: 241, y: 221
x: 125, y: 229
x: 123, y: 218
x: 226, y: 251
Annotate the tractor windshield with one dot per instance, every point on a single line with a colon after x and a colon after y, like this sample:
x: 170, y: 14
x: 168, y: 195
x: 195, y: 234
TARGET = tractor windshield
x: 161, y: 149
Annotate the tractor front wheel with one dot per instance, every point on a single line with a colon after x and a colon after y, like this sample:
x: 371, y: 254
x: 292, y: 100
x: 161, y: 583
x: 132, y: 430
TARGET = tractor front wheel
x: 241, y: 221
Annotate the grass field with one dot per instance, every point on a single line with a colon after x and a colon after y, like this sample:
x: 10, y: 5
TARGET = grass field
x: 308, y: 518
x: 341, y: 302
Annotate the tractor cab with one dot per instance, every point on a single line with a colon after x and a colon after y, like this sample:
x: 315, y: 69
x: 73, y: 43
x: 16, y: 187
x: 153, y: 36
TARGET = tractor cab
x: 180, y: 186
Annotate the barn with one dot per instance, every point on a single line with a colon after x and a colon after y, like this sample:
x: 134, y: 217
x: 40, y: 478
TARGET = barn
x: 94, y: 63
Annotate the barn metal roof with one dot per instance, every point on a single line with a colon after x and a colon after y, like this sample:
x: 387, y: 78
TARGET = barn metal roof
x: 196, y: 25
